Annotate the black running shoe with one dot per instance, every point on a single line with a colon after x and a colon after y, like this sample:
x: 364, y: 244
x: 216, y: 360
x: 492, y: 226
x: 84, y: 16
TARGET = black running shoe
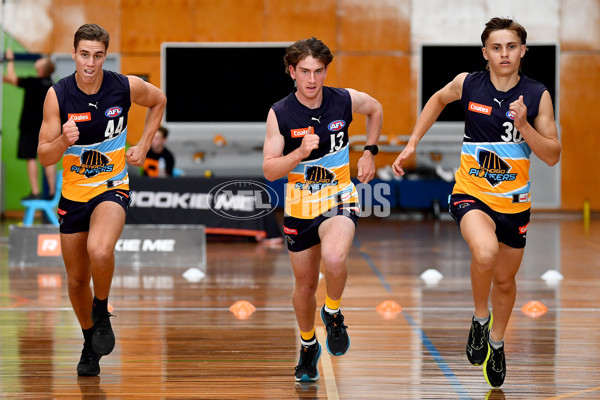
x: 306, y: 370
x: 89, y: 363
x: 103, y: 339
x: 494, y: 367
x: 338, y: 341
x: 477, y: 345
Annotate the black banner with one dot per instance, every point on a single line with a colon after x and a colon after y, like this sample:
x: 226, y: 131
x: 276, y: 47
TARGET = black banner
x: 233, y: 206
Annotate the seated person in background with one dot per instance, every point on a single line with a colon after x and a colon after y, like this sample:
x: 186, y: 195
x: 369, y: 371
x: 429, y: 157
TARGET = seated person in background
x: 159, y: 160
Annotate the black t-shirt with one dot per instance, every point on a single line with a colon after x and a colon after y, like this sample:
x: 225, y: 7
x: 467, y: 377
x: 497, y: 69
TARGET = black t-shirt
x: 33, y: 102
x: 158, y: 164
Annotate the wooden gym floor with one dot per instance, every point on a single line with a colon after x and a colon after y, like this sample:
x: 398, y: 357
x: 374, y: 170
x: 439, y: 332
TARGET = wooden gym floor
x: 179, y: 340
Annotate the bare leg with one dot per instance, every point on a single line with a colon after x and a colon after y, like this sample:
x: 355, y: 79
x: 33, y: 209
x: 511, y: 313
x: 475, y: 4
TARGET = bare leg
x: 305, y: 265
x: 77, y: 263
x: 106, y: 225
x: 478, y: 230
x: 32, y: 173
x: 336, y: 239
x: 504, y: 289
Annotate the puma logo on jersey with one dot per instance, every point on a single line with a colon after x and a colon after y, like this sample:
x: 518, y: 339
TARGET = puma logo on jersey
x: 498, y: 101
x: 95, y: 105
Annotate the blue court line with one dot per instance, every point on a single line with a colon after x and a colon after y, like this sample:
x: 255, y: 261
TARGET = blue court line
x: 462, y: 393
x: 447, y: 371
x: 371, y: 264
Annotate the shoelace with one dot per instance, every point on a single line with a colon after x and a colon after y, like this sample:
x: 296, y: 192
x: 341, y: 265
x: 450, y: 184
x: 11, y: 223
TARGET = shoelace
x: 497, y: 358
x: 102, y: 324
x: 479, y: 335
x: 338, y: 325
x: 304, y: 360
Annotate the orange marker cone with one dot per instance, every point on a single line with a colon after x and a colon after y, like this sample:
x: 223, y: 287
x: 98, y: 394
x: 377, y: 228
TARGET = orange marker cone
x: 534, y: 309
x: 388, y: 309
x: 242, y: 309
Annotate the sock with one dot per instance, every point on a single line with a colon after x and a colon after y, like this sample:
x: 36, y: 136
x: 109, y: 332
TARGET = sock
x: 496, y: 344
x: 100, y: 306
x: 332, y: 306
x: 312, y: 339
x: 87, y: 335
x: 482, y: 321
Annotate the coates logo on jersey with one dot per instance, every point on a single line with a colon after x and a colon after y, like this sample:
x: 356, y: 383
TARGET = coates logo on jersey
x: 113, y: 112
x: 80, y: 117
x: 509, y: 115
x: 336, y: 125
x: 480, y: 108
x: 298, y: 133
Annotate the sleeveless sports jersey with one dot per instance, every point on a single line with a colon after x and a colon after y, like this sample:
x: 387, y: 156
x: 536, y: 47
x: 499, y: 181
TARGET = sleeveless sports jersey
x: 322, y: 180
x: 96, y: 162
x: 495, y: 158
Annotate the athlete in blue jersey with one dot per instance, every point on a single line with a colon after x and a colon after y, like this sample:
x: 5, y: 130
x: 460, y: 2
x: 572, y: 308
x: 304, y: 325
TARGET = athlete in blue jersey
x: 85, y: 124
x: 307, y: 140
x: 507, y: 116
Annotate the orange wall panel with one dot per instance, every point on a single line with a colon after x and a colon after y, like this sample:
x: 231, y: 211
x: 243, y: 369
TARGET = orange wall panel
x: 579, y: 121
x: 69, y: 15
x: 227, y: 21
x: 288, y: 21
x: 148, y: 23
x: 376, y: 25
x: 386, y: 78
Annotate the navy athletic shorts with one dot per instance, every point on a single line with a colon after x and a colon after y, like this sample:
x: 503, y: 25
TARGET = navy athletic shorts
x: 511, y: 229
x: 302, y: 234
x: 74, y: 216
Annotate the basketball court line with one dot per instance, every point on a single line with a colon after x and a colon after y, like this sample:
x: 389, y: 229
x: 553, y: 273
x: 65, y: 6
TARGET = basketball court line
x: 328, y: 374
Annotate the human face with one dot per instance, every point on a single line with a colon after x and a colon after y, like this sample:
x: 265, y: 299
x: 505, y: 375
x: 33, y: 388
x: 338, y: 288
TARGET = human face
x: 309, y: 75
x: 89, y: 57
x: 504, y: 51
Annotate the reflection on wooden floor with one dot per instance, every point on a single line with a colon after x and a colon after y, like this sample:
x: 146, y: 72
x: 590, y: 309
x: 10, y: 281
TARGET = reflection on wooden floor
x: 179, y: 340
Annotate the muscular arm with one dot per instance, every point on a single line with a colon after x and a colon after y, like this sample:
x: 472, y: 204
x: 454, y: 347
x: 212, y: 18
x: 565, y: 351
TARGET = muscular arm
x: 542, y: 137
x: 275, y: 164
x: 53, y: 142
x: 366, y: 105
x: 430, y: 113
x: 145, y: 95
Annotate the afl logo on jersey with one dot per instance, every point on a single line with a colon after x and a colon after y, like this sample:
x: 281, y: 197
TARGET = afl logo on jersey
x: 113, y: 112
x: 509, y: 115
x: 336, y: 125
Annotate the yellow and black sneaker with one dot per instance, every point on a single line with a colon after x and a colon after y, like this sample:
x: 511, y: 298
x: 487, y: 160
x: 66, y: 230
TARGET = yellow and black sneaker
x: 494, y: 367
x: 477, y: 345
x: 306, y: 370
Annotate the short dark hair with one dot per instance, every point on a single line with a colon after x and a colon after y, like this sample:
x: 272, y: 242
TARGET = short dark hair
x: 91, y: 32
x: 301, y: 49
x: 498, y: 24
x: 164, y: 131
x: 48, y: 66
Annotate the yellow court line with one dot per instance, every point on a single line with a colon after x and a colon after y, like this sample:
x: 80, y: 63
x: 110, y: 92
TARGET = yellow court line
x: 328, y: 375
x: 567, y: 395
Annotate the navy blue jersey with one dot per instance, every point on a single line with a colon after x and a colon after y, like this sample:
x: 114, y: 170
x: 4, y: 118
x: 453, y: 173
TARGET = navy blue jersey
x: 495, y: 158
x: 322, y: 180
x: 96, y: 162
